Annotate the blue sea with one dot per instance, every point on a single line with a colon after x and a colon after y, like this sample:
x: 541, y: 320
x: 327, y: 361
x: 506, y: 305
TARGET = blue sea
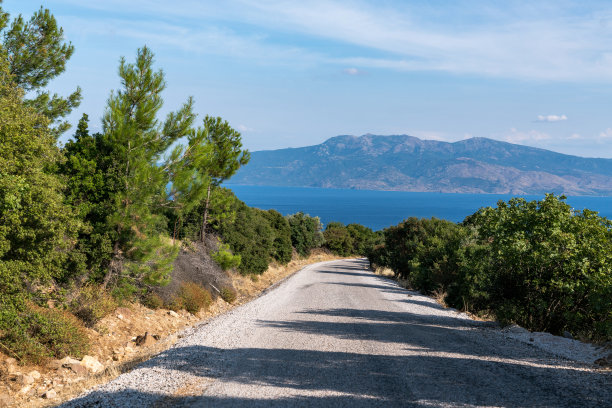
x: 380, y: 209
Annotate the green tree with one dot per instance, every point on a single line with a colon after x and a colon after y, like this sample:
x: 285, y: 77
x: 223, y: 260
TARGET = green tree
x: 227, y: 157
x: 305, y: 232
x: 138, y: 141
x: 37, y: 53
x: 37, y: 229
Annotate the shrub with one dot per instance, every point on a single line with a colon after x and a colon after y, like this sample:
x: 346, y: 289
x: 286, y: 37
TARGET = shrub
x: 92, y: 304
x: 153, y: 301
x: 224, y: 257
x: 193, y: 297
x: 36, y: 334
x: 305, y: 232
x: 228, y: 294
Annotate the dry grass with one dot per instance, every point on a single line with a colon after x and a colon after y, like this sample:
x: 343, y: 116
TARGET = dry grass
x: 137, y: 319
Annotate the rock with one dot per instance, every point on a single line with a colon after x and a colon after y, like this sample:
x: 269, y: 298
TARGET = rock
x: 69, y: 360
x: 10, y: 361
x: 567, y: 335
x: 49, y: 394
x: 145, y: 340
x: 78, y: 369
x: 25, y: 389
x: 92, y: 364
x: 55, y: 364
x: 156, y: 337
x: 120, y: 316
x: 173, y: 313
x: 5, y: 401
x: 34, y: 374
x: 25, y: 379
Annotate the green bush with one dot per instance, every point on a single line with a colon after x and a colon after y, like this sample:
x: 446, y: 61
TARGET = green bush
x: 36, y: 334
x: 91, y: 304
x: 153, y: 301
x: 539, y: 264
x: 228, y: 294
x: 225, y: 259
x: 193, y: 297
x: 305, y: 232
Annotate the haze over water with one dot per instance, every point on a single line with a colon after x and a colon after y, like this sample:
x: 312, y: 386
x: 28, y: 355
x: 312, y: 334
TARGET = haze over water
x: 381, y: 209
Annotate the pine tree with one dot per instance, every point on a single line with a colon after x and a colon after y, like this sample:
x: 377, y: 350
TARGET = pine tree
x: 36, y: 54
x: 226, y: 159
x: 138, y: 141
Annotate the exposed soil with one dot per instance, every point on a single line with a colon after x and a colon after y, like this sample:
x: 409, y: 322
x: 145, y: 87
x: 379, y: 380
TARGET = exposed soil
x: 114, y: 338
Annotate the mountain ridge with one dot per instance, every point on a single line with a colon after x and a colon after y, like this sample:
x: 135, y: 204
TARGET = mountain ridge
x: 408, y: 163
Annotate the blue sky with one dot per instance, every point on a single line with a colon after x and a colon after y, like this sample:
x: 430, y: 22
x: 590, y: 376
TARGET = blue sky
x: 294, y: 73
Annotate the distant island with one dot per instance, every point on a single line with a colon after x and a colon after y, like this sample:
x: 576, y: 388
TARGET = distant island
x: 407, y: 163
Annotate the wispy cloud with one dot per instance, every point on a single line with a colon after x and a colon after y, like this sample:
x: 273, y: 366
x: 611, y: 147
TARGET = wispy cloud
x: 551, y: 118
x: 521, y: 136
x: 542, y: 41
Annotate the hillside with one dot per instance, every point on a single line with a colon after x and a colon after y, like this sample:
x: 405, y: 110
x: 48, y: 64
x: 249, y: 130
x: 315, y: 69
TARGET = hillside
x: 407, y: 163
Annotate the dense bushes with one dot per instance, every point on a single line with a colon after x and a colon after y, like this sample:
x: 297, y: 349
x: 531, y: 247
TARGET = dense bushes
x: 353, y: 239
x: 305, y: 232
x: 34, y: 334
x: 539, y: 264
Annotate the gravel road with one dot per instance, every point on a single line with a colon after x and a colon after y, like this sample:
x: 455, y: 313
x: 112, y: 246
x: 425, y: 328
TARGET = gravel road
x: 335, y: 334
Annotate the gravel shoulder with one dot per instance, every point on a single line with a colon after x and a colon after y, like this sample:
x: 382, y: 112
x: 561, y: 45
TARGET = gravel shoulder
x: 335, y: 334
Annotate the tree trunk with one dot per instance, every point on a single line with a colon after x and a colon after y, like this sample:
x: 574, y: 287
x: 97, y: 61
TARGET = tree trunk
x: 114, y: 265
x: 205, y: 218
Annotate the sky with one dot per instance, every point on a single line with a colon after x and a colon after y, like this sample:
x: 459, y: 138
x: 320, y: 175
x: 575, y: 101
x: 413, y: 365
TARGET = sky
x: 295, y: 73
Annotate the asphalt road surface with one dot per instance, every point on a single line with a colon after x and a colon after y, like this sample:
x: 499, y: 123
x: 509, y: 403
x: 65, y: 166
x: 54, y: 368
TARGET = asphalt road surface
x: 335, y: 334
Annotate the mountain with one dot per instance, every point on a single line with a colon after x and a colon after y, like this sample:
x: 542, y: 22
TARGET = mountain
x: 407, y: 163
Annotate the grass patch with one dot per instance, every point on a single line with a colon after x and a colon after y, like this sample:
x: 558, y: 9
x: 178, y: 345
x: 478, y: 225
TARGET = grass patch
x: 228, y: 294
x: 92, y: 304
x: 192, y: 297
x: 37, y: 334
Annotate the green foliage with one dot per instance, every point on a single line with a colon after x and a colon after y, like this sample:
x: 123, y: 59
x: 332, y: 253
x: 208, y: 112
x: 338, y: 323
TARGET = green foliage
x: 224, y: 257
x: 228, y: 294
x: 91, y: 304
x: 539, y: 264
x: 37, y: 53
x: 193, y: 297
x: 37, y: 230
x: 353, y: 239
x: 305, y: 232
x: 281, y: 244
x: 138, y: 140
x: 153, y: 301
x: 34, y: 334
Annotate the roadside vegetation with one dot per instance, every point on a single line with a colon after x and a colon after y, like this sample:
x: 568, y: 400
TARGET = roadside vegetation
x: 539, y: 264
x: 99, y: 222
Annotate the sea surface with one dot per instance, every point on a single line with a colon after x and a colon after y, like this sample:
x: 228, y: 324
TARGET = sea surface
x: 381, y: 209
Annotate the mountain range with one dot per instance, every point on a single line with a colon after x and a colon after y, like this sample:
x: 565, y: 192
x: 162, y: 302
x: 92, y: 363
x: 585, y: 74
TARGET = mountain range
x: 407, y: 163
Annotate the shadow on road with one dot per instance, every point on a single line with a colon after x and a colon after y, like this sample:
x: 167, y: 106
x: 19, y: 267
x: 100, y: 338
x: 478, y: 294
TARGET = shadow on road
x: 446, y: 364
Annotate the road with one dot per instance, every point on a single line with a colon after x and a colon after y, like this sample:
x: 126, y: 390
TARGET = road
x: 335, y: 334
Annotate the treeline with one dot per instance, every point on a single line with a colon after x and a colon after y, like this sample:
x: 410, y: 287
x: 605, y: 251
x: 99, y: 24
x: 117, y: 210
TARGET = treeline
x: 539, y: 264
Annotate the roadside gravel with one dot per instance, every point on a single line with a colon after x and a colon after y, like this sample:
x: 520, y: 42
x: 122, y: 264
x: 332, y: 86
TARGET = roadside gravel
x: 337, y: 335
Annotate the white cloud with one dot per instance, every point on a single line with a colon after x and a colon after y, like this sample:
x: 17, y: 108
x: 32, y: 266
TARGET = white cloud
x: 551, y: 118
x: 529, y: 136
x: 244, y: 128
x: 542, y: 40
x: 606, y: 134
x: 351, y: 71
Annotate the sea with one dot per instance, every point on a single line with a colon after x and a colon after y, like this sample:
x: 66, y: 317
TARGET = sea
x: 381, y: 209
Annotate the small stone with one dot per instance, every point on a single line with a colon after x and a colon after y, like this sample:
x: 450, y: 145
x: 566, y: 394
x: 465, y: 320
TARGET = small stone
x: 77, y: 368
x: 5, y: 401
x: 173, y: 313
x: 92, y: 364
x: 145, y: 340
x: 34, y: 374
x: 25, y: 379
x: 10, y: 361
x: 25, y: 389
x: 567, y: 335
x: 120, y: 316
x: 69, y: 360
x: 49, y: 394
x: 55, y: 364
